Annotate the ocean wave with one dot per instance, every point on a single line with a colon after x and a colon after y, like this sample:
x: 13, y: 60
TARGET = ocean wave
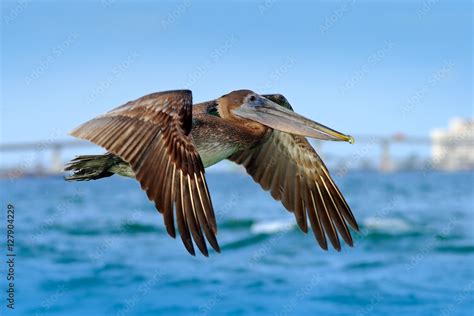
x: 366, y: 265
x: 271, y: 227
x: 456, y: 249
x: 245, y: 242
x: 388, y: 225
x: 83, y: 229
x: 236, y: 224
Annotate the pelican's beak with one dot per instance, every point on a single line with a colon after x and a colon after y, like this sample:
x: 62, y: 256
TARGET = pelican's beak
x: 275, y: 116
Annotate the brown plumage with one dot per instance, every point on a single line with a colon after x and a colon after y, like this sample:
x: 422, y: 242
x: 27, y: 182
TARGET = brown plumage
x: 288, y: 167
x: 166, y: 147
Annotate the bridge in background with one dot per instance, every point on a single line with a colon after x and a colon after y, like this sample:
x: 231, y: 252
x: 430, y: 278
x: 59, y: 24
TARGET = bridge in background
x: 369, y: 142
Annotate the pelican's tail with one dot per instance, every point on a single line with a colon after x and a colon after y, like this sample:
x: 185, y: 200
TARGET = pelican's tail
x: 91, y: 167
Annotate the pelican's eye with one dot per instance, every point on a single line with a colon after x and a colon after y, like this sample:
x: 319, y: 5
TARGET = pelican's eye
x: 252, y: 98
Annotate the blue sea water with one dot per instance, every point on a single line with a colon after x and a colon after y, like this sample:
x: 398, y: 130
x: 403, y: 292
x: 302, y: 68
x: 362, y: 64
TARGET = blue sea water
x: 99, y: 248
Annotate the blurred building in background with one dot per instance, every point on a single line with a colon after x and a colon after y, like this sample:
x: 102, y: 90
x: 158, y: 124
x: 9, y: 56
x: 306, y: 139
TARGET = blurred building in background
x: 453, y: 147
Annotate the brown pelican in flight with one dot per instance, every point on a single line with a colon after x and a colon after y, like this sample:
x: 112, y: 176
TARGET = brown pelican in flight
x: 165, y: 142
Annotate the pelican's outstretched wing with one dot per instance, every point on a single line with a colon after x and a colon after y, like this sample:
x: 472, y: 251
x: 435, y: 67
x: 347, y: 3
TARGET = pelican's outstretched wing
x: 152, y: 135
x: 290, y: 168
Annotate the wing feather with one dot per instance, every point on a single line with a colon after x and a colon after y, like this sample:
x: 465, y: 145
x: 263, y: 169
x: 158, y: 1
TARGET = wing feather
x: 316, y: 226
x: 325, y: 217
x: 152, y: 135
x: 290, y: 168
x: 300, y: 210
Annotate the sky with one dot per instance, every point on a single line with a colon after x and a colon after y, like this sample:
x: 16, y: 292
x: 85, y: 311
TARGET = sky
x: 361, y: 67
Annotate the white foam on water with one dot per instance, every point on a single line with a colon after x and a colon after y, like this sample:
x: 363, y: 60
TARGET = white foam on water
x: 392, y: 225
x: 271, y: 227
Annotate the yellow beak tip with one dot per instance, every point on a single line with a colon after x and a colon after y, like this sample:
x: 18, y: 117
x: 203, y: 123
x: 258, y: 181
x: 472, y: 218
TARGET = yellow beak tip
x: 351, y: 140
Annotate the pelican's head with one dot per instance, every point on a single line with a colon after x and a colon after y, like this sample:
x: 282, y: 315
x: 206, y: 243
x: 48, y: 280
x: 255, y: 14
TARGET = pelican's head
x: 275, y: 112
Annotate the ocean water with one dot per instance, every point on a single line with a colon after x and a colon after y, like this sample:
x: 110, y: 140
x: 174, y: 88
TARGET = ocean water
x: 99, y: 248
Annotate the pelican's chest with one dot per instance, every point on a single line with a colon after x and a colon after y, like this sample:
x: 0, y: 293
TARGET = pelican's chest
x: 216, y: 140
x: 212, y: 153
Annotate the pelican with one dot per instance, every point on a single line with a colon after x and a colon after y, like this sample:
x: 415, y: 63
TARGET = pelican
x: 165, y: 142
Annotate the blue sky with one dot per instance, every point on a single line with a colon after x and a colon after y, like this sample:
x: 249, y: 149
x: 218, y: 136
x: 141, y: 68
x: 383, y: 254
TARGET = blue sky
x: 363, y: 67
